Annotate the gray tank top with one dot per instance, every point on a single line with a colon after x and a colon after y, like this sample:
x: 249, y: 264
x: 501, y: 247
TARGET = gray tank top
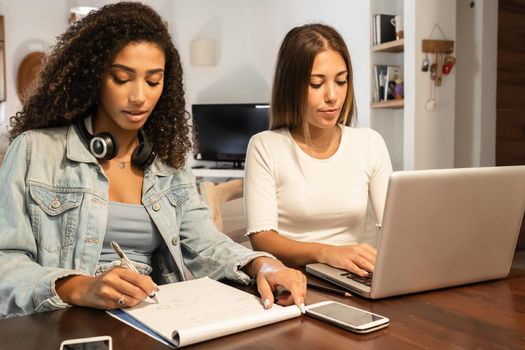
x: 132, y: 228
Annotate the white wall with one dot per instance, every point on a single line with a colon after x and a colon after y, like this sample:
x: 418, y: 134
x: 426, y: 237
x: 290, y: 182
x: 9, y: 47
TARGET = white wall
x: 433, y: 144
x: 475, y: 135
x: 247, y: 33
x: 26, y: 31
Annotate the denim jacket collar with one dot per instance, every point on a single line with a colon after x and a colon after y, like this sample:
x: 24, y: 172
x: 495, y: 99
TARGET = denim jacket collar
x: 76, y: 148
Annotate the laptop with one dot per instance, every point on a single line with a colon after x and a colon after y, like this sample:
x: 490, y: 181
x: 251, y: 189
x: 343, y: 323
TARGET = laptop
x: 441, y: 228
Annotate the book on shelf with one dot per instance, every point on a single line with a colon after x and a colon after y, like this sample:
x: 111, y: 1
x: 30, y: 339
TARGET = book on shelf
x: 385, y: 31
x: 392, y: 74
x: 193, y: 311
x: 380, y: 72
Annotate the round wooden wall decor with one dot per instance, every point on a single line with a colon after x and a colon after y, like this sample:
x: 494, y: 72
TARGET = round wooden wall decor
x: 28, y: 70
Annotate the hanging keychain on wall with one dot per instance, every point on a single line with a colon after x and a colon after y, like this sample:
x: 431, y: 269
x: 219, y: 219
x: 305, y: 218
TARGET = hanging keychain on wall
x: 439, y: 65
x: 442, y: 62
x: 449, y: 62
x: 431, y: 103
x: 426, y: 63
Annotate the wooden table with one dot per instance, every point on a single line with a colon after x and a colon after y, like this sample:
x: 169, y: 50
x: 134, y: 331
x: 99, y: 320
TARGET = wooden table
x: 488, y: 315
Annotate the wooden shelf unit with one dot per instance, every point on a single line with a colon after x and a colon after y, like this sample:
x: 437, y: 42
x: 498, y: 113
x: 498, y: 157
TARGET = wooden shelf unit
x: 391, y: 46
x: 392, y: 104
x: 396, y: 46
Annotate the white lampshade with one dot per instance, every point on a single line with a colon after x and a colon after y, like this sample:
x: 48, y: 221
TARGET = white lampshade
x: 202, y: 52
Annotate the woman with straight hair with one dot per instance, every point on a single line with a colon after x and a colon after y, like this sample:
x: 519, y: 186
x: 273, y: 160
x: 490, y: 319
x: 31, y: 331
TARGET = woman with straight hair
x: 315, y: 185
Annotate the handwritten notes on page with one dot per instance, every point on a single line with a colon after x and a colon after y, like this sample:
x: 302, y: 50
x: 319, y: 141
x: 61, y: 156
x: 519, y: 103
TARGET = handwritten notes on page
x: 197, y: 310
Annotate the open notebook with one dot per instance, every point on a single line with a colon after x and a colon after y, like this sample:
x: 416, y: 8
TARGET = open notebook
x: 198, y: 310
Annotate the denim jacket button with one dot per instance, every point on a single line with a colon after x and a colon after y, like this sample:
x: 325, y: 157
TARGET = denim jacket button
x: 55, y: 204
x: 156, y: 206
x: 175, y: 240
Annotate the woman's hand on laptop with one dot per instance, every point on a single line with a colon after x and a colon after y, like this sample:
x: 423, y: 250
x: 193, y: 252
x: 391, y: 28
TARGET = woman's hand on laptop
x: 357, y: 258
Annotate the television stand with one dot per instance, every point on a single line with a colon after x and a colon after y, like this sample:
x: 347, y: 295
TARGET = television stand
x: 218, y: 173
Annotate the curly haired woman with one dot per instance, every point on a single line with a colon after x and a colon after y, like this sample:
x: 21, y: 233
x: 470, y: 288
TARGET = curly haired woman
x: 97, y: 155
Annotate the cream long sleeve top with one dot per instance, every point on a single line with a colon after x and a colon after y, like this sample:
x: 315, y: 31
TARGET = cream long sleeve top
x: 336, y: 201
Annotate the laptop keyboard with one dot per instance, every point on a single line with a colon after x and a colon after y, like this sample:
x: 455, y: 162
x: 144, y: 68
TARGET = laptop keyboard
x: 367, y: 281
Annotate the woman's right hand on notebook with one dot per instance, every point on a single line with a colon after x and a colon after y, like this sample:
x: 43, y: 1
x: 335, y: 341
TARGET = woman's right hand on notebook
x: 116, y: 288
x: 271, y: 273
x: 357, y: 258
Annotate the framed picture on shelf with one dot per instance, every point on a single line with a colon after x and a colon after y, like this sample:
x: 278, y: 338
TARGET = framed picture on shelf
x: 393, y: 73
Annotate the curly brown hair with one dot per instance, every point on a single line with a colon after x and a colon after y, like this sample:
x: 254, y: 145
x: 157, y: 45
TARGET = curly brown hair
x: 68, y: 87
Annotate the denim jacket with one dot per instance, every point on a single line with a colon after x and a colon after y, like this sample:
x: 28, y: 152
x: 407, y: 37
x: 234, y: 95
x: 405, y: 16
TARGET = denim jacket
x: 53, y: 215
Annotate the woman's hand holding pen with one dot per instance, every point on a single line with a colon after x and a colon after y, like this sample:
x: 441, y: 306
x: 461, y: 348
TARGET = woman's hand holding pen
x: 357, y: 258
x: 116, y: 288
x: 271, y: 273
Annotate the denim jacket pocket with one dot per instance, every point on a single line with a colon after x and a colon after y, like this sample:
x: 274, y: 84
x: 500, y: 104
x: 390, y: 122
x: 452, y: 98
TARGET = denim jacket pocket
x: 54, y: 216
x: 178, y: 195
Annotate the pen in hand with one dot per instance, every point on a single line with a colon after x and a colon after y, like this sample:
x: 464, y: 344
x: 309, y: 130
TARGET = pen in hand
x: 127, y: 264
x: 328, y: 289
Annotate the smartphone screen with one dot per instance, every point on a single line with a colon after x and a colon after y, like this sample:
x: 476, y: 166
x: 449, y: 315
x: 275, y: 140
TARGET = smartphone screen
x: 347, y: 315
x: 88, y: 345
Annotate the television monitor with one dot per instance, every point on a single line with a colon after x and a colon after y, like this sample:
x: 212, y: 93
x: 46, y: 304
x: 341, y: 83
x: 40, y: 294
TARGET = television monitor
x: 224, y: 130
